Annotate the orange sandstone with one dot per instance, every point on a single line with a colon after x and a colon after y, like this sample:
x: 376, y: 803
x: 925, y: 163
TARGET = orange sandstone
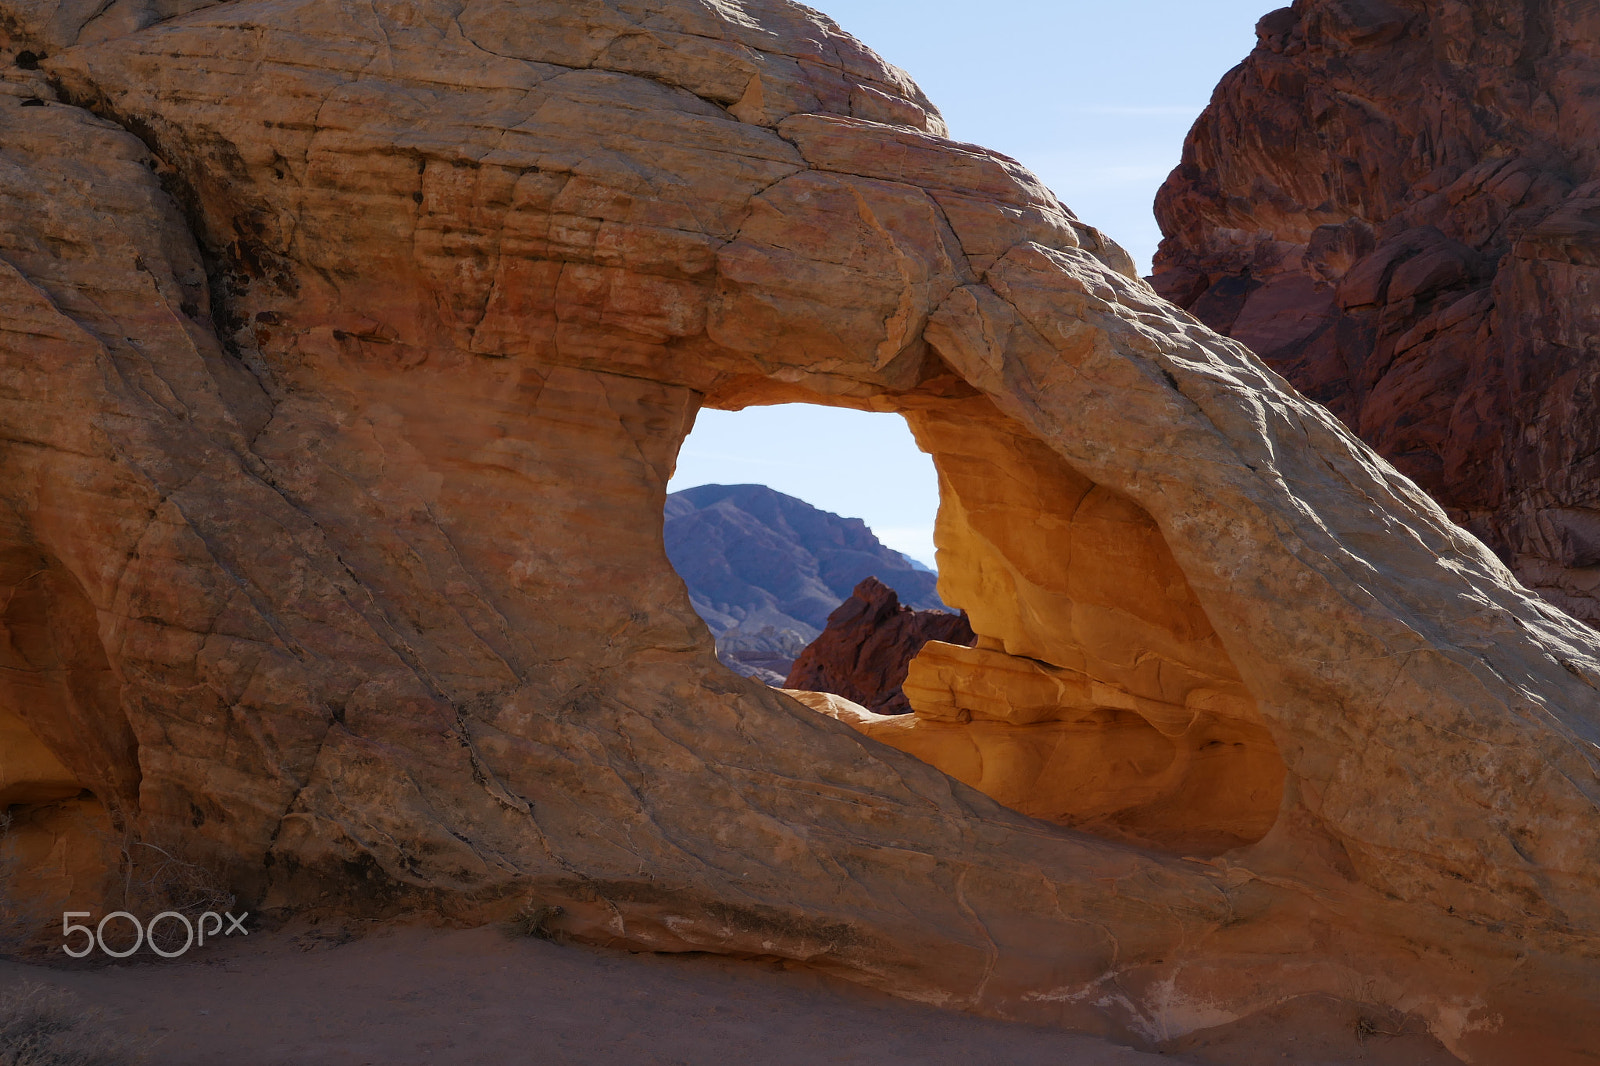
x: 345, y: 351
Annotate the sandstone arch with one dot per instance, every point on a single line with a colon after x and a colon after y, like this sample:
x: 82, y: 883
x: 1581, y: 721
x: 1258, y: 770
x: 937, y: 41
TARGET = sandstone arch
x: 385, y: 327
x: 1099, y: 695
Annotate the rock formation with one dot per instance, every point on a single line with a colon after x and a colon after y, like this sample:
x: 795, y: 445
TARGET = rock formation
x: 765, y: 570
x: 344, y: 354
x: 868, y: 645
x: 1397, y: 205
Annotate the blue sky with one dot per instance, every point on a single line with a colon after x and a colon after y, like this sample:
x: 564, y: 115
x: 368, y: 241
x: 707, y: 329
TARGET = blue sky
x: 1095, y: 98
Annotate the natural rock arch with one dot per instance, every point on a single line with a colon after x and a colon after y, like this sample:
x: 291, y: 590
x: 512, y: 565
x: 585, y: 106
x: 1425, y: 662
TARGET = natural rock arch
x: 1099, y: 695
x: 374, y: 450
x: 1102, y: 690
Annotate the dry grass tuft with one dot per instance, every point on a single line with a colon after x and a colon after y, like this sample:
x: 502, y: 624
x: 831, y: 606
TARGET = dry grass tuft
x: 534, y: 920
x: 40, y: 1026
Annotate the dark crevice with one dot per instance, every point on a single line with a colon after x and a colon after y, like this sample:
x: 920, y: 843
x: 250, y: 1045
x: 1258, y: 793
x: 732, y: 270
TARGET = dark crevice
x: 231, y: 263
x: 1538, y: 30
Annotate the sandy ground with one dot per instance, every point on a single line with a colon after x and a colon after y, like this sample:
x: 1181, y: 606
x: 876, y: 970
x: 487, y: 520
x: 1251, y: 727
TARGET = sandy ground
x: 406, y: 996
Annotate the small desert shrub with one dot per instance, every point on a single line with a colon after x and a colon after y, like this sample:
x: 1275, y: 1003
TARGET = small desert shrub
x: 149, y: 878
x: 43, y: 1027
x: 534, y: 920
x: 157, y: 879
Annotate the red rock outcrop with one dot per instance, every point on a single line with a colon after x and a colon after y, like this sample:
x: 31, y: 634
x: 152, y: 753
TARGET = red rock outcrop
x: 868, y: 645
x: 345, y: 351
x: 1397, y: 205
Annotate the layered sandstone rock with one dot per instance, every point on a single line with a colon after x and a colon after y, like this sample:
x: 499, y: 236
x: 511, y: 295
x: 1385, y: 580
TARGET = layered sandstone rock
x: 868, y: 645
x: 346, y: 352
x: 1099, y: 694
x: 1397, y: 205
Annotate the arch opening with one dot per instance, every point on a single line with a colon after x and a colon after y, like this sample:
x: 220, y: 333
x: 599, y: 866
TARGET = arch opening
x: 1098, y: 696
x: 775, y: 515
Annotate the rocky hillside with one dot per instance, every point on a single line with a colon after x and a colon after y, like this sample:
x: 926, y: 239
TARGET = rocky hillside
x: 1396, y: 204
x: 765, y: 570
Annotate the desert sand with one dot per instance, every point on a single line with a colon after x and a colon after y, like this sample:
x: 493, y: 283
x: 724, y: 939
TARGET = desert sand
x: 416, y: 995
x: 343, y: 995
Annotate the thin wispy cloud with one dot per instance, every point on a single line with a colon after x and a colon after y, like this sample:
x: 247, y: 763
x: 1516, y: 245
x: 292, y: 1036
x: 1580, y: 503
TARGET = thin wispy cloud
x: 745, y: 460
x: 1070, y: 172
x: 1189, y: 110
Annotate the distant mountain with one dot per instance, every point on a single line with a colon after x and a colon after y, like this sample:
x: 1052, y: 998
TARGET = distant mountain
x: 765, y: 570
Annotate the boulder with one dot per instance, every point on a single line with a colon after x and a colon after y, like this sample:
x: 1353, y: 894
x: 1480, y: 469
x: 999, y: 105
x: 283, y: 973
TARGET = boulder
x: 865, y: 651
x: 345, y: 351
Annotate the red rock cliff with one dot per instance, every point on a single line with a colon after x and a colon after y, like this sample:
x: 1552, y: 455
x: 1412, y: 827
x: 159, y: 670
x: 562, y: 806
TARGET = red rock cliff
x: 1396, y: 205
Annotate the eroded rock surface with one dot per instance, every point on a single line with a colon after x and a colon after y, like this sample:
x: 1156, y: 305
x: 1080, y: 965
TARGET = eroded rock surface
x: 346, y: 353
x: 1397, y: 205
x: 1099, y: 694
x: 868, y: 645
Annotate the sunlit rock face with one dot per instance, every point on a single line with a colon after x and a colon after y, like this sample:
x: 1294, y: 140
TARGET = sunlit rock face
x: 1396, y: 205
x: 1099, y: 694
x: 346, y: 355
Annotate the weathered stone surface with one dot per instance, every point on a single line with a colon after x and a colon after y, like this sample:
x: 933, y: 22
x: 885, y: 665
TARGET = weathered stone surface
x: 1395, y: 205
x: 346, y: 355
x: 1099, y: 695
x: 868, y: 645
